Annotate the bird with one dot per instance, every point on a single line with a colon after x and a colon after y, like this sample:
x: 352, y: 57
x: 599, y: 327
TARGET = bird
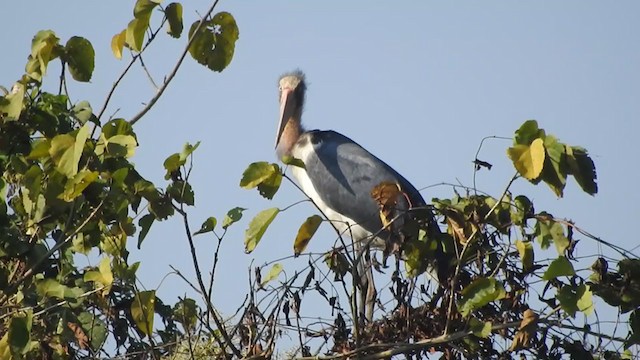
x: 339, y: 175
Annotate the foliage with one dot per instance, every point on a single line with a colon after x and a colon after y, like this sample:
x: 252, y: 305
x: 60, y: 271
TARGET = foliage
x: 497, y: 299
x: 70, y: 188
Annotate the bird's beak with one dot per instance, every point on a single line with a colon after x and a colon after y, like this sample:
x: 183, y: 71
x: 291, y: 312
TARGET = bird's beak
x: 287, y: 106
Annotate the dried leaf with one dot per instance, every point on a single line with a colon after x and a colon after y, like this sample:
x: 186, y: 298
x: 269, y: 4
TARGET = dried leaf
x: 387, y: 195
x: 526, y: 331
x: 81, y: 337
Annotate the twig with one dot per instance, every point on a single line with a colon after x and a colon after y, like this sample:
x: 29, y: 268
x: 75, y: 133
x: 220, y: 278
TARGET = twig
x: 390, y: 349
x: 177, y: 272
x: 127, y: 68
x: 144, y: 67
x: 210, y: 308
x: 475, y: 168
x: 464, y: 249
x: 626, y: 253
x: 174, y: 71
x: 215, y: 263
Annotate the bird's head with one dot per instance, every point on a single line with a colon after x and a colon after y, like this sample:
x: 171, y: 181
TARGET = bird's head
x: 292, y: 88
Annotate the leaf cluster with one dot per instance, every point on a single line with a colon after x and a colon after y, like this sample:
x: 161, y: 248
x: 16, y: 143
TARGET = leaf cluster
x: 69, y: 188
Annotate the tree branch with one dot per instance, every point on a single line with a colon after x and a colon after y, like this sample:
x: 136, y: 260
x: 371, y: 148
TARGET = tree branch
x: 203, y: 289
x: 175, y: 69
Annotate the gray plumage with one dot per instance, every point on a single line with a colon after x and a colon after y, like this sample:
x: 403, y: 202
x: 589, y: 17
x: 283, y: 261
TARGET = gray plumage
x: 344, y: 174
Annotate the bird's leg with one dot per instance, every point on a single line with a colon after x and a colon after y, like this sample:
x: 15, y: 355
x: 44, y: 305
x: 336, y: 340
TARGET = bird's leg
x: 371, y: 293
x: 367, y: 293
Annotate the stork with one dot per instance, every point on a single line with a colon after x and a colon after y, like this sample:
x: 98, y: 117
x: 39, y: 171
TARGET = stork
x: 339, y: 174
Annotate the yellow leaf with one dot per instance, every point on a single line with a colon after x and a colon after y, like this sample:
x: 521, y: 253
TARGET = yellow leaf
x: 585, y: 303
x: 525, y: 249
x: 76, y: 185
x: 143, y: 309
x: 275, y: 270
x: 257, y: 228
x: 117, y: 43
x: 528, y: 160
x: 305, y: 233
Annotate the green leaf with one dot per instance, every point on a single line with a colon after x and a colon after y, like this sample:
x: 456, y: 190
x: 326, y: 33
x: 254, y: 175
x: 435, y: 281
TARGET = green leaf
x: 122, y: 146
x: 338, y: 263
x: 214, y: 44
x: 187, y: 150
x: 479, y: 293
x: 207, y: 226
x: 265, y: 176
x: 32, y: 180
x: 145, y: 223
x: 257, y: 228
x: 173, y: 12
x: 11, y: 104
x: 161, y: 207
x: 39, y: 149
x: 172, y: 164
x: 76, y: 185
x: 135, y: 33
x: 117, y: 127
x: 19, y: 334
x: 582, y: 168
x: 142, y: 311
x: 527, y: 133
x: 256, y: 173
x: 268, y: 188
x: 523, y: 209
x: 525, y: 250
x: 305, y: 233
x: 102, y: 275
x: 66, y: 150
x: 290, y: 160
x: 548, y: 231
x: 143, y: 8
x: 561, y: 241
x: 233, y: 215
x: 186, y: 313
x: 554, y: 173
x: 479, y: 328
x: 44, y: 48
x: 575, y: 298
x: 275, y: 270
x: 585, y: 300
x: 50, y: 288
x: 559, y: 267
x: 181, y: 192
x: 117, y: 43
x: 80, y: 58
x: 137, y: 27
x: 83, y: 113
x: 528, y: 159
x: 634, y: 333
x: 94, y: 328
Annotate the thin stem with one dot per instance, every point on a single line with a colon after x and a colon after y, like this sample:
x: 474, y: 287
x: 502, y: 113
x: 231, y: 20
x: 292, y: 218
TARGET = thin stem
x: 175, y: 69
x: 454, y: 280
x: 210, y: 309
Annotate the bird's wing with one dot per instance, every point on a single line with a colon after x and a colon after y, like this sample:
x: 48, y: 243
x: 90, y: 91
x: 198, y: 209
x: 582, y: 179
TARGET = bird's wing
x: 344, y: 174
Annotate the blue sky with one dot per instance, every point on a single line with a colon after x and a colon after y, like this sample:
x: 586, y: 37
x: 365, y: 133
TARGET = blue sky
x: 419, y: 84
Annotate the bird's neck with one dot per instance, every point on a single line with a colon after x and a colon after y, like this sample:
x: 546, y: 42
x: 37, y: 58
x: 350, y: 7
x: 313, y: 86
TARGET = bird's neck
x: 292, y: 131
